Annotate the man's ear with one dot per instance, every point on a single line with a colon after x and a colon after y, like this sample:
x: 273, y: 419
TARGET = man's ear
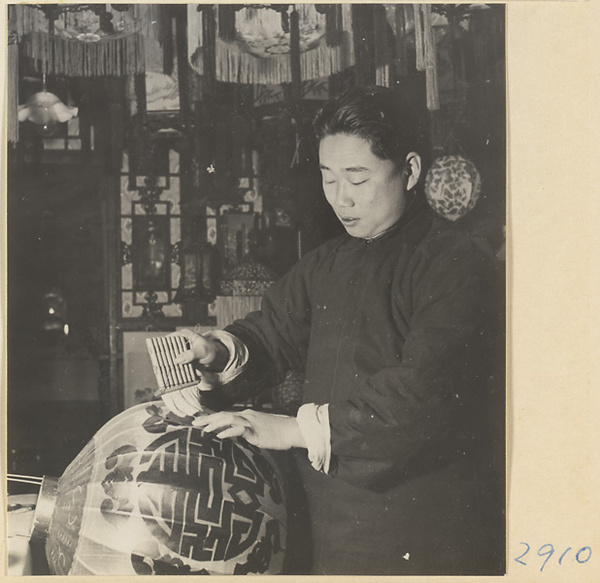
x: 413, y: 169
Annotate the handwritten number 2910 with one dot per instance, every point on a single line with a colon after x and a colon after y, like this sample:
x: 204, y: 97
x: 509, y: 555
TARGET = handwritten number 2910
x: 583, y: 555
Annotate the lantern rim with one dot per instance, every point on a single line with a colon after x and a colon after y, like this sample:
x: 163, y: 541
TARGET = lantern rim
x: 44, y: 509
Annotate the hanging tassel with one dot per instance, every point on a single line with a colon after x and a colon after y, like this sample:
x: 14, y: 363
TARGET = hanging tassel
x: 57, y: 56
x: 233, y: 65
x: 29, y: 19
x: 426, y: 53
x: 119, y: 54
x: 419, y: 47
x: 430, y: 58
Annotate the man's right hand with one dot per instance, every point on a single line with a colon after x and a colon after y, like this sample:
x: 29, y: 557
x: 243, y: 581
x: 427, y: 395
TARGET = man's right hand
x: 212, y: 357
x: 209, y: 353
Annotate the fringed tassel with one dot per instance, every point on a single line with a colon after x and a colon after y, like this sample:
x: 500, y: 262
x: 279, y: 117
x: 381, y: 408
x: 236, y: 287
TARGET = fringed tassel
x: 118, y: 56
x: 426, y: 53
x: 12, y: 123
x: 236, y: 66
x: 29, y: 19
x: 430, y: 57
x: 382, y: 76
x: 419, y: 48
x: 114, y: 55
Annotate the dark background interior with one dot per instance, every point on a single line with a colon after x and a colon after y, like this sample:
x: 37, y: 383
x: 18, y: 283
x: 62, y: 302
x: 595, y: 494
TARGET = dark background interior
x: 63, y: 222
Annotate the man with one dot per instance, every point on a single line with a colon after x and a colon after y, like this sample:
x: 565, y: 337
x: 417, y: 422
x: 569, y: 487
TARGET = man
x: 392, y: 323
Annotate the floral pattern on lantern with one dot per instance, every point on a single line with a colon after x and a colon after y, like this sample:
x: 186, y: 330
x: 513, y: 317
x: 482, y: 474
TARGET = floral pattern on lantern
x: 452, y: 186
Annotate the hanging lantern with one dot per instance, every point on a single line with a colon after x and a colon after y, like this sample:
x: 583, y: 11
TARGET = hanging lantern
x: 84, y: 40
x: 200, y: 272
x: 253, y: 42
x: 452, y: 186
x: 45, y: 110
x: 148, y: 495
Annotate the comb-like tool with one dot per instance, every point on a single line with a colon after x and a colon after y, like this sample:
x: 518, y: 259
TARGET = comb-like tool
x: 170, y: 376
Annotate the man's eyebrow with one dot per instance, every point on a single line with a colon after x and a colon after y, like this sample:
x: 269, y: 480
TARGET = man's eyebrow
x: 349, y: 169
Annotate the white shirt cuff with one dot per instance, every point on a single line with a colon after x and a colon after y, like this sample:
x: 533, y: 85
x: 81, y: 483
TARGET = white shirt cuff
x: 238, y: 355
x: 313, y: 421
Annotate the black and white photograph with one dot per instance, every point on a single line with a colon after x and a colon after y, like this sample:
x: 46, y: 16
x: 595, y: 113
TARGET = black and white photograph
x: 256, y: 308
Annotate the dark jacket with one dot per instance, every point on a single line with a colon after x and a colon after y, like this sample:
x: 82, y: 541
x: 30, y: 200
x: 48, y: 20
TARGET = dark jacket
x: 395, y: 334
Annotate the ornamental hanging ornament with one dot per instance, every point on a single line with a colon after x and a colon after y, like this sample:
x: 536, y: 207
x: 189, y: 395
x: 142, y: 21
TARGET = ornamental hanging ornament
x: 452, y: 186
x: 252, y: 43
x: 148, y: 495
x: 83, y: 40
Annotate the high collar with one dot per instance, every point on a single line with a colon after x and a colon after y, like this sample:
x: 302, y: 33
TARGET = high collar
x: 415, y: 212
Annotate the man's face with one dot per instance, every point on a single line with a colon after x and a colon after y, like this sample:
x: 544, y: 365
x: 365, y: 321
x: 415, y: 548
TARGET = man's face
x: 366, y: 193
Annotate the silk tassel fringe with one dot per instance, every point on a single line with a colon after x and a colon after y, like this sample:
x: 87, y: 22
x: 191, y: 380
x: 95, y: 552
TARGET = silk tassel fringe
x: 233, y: 65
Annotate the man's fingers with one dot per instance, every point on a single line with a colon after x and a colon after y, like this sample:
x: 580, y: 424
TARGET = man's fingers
x: 186, y: 333
x: 206, y: 419
x: 235, y: 431
x: 217, y: 425
x: 218, y: 421
x: 187, y: 355
x: 184, y: 357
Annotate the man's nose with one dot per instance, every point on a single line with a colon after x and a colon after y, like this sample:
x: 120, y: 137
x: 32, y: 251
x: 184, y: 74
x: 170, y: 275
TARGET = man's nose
x: 342, y: 195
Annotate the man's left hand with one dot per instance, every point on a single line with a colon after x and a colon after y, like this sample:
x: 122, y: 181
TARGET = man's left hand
x: 265, y: 430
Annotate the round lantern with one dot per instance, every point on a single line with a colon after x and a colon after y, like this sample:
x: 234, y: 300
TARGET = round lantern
x: 148, y: 495
x: 452, y: 186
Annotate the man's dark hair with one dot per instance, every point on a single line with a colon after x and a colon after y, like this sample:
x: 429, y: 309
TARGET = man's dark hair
x: 379, y: 116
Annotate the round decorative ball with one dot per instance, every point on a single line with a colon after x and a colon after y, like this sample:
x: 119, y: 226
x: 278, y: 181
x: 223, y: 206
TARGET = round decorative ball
x: 148, y: 495
x: 452, y: 186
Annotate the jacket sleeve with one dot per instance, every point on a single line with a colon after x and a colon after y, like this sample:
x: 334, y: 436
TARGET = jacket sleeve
x: 410, y: 415
x: 276, y: 336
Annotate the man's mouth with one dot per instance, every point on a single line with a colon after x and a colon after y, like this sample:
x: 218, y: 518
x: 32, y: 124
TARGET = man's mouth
x: 348, y: 221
